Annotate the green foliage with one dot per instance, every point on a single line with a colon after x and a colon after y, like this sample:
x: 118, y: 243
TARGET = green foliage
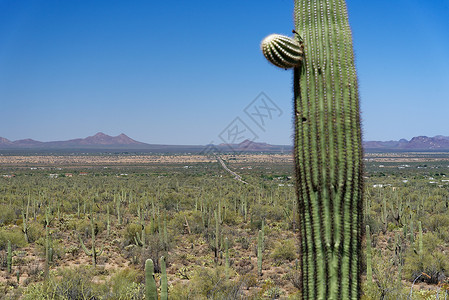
x: 68, y: 283
x: 177, y: 223
x: 260, y: 212
x: 125, y: 284
x: 35, y: 232
x: 7, y: 215
x: 438, y: 224
x: 432, y: 262
x: 14, y: 235
x: 284, y: 251
x: 130, y: 232
x: 208, y: 283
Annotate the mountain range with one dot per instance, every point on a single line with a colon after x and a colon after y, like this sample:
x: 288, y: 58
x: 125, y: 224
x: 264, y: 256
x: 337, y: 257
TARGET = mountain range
x: 122, y: 142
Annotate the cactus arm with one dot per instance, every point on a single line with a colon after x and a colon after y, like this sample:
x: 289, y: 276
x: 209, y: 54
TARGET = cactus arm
x: 87, y: 251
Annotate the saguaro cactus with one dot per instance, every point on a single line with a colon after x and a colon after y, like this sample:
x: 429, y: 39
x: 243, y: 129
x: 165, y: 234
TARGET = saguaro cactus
x: 9, y: 258
x: 164, y: 284
x: 328, y: 152
x: 369, y: 268
x: 150, y: 283
x: 94, y: 253
x: 259, y: 252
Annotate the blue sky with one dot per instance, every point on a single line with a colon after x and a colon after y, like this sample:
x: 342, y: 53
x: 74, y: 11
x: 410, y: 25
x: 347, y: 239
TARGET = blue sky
x: 179, y: 72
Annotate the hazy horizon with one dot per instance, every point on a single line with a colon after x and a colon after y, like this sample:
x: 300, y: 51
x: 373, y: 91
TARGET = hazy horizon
x: 256, y: 140
x: 188, y: 73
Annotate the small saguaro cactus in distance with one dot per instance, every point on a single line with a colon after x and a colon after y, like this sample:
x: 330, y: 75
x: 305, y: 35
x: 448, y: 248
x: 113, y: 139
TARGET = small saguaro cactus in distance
x: 259, y: 252
x: 328, y: 148
x: 94, y: 253
x: 9, y: 258
x: 164, y: 284
x: 369, y: 268
x: 150, y: 283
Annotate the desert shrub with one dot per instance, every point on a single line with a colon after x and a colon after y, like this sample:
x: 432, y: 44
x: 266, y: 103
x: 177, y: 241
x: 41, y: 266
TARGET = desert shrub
x: 181, y: 290
x: 438, y: 224
x: 178, y: 221
x: 69, y: 283
x: 155, y: 249
x: 130, y: 233
x: 232, y: 218
x: 35, y: 231
x: 432, y: 262
x: 14, y: 235
x: 388, y: 283
x: 294, y: 276
x: 261, y: 212
x: 126, y: 284
x: 208, y: 283
x: 244, y: 241
x: 284, y: 250
x: 82, y: 226
x: 7, y: 215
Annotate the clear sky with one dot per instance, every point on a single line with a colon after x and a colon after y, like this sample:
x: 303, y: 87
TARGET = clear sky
x: 180, y: 72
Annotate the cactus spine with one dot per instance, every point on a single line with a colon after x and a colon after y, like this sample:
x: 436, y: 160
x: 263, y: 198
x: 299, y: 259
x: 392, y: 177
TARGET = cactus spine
x: 164, y: 284
x: 328, y: 152
x: 150, y: 283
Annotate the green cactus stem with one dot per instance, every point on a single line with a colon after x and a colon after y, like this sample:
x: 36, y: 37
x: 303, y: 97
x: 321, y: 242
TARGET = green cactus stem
x: 217, y: 235
x: 227, y: 254
x: 165, y: 233
x: 164, y: 284
x: 108, y: 221
x: 94, y: 253
x: 150, y: 283
x: 25, y: 215
x: 420, y: 243
x: 47, y: 250
x: 117, y: 206
x: 9, y: 258
x: 259, y: 252
x: 328, y: 151
x: 369, y: 268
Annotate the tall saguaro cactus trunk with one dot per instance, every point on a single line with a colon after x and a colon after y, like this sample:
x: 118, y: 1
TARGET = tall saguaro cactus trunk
x: 328, y: 152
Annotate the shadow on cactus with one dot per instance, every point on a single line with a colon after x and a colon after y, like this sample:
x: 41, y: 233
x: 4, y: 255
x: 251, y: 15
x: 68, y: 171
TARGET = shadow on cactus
x: 328, y: 151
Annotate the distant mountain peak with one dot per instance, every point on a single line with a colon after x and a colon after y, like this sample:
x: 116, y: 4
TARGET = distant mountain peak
x: 100, y: 134
x: 99, y: 139
x: 419, y: 143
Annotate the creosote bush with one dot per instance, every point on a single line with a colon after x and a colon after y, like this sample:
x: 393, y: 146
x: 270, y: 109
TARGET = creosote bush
x: 432, y: 262
x: 208, y: 283
x: 284, y: 251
